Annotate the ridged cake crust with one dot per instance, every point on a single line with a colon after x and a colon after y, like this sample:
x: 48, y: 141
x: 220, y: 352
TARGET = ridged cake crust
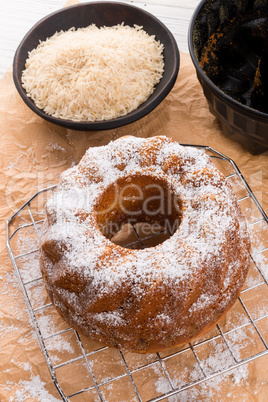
x: 155, y: 298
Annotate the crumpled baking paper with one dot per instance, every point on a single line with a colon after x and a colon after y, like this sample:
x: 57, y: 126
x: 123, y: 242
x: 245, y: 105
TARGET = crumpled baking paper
x: 33, y: 153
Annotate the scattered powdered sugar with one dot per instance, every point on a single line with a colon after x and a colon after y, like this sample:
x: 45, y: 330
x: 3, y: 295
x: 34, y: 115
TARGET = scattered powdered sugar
x: 46, y: 325
x: 29, y: 267
x: 218, y: 359
x: 162, y: 385
x: 208, y: 390
x: 58, y: 345
x: 32, y: 389
x: 10, y: 294
x: 243, y: 341
x: 35, y: 388
x: 36, y: 291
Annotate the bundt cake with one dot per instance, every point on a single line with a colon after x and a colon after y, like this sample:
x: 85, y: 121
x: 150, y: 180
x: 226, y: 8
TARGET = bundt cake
x: 152, y: 298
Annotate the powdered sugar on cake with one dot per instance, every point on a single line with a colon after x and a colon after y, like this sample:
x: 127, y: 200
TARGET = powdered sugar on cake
x: 210, y: 218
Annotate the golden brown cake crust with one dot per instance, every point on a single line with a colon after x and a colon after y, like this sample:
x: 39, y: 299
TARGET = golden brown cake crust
x: 155, y: 298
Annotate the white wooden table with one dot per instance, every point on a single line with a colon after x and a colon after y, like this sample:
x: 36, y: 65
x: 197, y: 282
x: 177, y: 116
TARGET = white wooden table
x: 18, y: 16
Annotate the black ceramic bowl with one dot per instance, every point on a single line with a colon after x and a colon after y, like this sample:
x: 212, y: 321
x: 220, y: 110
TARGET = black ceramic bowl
x: 101, y: 14
x: 229, y: 86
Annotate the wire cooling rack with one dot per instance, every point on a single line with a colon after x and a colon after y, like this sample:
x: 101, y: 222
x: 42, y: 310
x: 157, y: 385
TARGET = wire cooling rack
x: 83, y: 370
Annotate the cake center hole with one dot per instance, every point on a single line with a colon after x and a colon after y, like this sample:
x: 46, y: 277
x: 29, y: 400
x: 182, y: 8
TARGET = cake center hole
x: 139, y: 212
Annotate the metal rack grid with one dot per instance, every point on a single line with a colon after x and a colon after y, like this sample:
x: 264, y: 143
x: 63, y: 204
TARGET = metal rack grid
x: 127, y: 371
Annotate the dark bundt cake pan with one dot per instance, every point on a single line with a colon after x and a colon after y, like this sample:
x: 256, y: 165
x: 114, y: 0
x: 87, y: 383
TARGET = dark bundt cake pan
x: 228, y: 74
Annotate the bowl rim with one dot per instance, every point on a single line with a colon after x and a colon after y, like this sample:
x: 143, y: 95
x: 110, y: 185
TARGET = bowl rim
x: 145, y: 108
x: 237, y: 105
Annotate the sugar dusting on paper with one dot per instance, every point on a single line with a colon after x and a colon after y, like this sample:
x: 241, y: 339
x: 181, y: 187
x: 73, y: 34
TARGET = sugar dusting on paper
x: 35, y: 387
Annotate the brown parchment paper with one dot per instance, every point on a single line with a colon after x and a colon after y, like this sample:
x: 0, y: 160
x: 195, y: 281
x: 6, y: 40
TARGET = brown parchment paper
x: 32, y: 155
